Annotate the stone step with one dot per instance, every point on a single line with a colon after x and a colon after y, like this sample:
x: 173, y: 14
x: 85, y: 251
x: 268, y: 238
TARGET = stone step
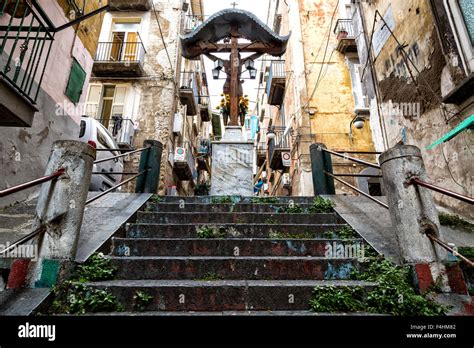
x: 236, y: 199
x: 220, y: 295
x: 252, y: 218
x: 225, y: 247
x: 277, y: 313
x: 281, y: 230
x: 220, y: 208
x: 257, y: 267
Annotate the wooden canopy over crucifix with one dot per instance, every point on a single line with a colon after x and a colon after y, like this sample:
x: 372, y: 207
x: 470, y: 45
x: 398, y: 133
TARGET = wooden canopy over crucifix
x: 220, y: 34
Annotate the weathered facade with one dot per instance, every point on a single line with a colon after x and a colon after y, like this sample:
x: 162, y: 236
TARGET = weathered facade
x: 422, y: 66
x: 58, y: 102
x: 320, y: 96
x: 155, y: 94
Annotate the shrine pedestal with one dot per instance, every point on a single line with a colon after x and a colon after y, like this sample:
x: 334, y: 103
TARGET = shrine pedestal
x: 232, y: 165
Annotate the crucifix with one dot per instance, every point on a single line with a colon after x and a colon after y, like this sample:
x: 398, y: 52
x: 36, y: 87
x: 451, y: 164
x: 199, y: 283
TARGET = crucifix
x: 234, y: 4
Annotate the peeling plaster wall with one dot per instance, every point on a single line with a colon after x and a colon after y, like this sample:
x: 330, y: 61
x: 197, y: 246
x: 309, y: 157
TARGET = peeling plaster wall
x: 24, y: 152
x: 436, y: 71
x: 333, y: 100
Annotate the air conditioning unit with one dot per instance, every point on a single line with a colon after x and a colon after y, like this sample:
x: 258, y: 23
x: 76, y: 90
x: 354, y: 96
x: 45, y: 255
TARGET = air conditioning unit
x: 178, y: 124
x: 286, y: 180
x: 180, y: 154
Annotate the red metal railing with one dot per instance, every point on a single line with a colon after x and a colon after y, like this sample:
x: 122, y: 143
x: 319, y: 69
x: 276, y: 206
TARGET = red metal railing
x: 418, y: 181
x: 32, y: 183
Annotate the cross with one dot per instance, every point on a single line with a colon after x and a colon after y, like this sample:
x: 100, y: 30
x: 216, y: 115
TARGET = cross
x: 234, y: 4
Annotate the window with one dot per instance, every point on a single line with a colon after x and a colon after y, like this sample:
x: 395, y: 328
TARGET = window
x: 106, y: 101
x: 82, y: 131
x: 461, y: 16
x: 77, y: 77
x: 125, y: 41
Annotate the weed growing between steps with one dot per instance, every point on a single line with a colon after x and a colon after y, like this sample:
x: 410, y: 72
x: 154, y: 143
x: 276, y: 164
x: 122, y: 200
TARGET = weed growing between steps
x: 454, y: 221
x: 210, y: 232
x: 264, y: 200
x: 156, y: 199
x: 75, y: 297
x: 344, y: 233
x: 291, y: 209
x: 286, y: 235
x: 96, y: 268
x: 393, y: 295
x: 210, y: 277
x: 222, y: 200
x: 140, y: 300
x: 321, y: 205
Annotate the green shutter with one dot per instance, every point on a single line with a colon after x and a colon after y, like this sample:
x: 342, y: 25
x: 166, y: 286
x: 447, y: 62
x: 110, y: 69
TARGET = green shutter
x: 76, y: 82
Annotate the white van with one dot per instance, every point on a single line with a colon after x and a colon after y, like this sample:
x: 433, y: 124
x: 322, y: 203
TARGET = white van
x: 96, y: 135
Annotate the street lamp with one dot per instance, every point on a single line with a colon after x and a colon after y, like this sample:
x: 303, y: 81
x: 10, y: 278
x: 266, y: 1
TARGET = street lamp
x: 250, y: 66
x: 218, y: 66
x: 358, y: 122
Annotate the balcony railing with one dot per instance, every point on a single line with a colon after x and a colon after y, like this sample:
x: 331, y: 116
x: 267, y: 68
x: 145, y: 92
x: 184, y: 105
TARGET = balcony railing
x: 345, y: 36
x: 277, y: 146
x: 130, y: 5
x: 122, y: 129
x: 189, y: 93
x: 25, y: 45
x: 261, y: 153
x: 276, y: 82
x: 204, y: 104
x: 119, y: 58
x: 191, y: 22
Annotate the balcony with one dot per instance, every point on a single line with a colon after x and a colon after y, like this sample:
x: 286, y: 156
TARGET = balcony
x: 24, y: 53
x: 124, y: 59
x: 204, y: 154
x: 130, y: 5
x: 188, y: 93
x: 276, y: 82
x: 204, y: 108
x: 261, y: 153
x: 184, y: 163
x: 345, y: 36
x: 192, y: 22
x: 277, y: 147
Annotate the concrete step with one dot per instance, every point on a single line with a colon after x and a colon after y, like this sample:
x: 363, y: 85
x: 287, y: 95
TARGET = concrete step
x: 220, y: 208
x: 240, y: 218
x: 278, y: 313
x: 235, y: 199
x: 230, y: 230
x: 258, y: 268
x: 224, y: 247
x: 220, y: 295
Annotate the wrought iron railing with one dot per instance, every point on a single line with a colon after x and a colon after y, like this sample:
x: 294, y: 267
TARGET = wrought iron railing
x: 121, y: 52
x: 188, y: 81
x: 344, y: 29
x: 24, y: 47
x: 122, y: 129
x: 191, y: 22
x: 277, y: 70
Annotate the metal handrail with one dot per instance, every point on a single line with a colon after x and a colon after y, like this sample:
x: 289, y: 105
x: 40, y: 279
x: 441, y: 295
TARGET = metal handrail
x: 447, y: 247
x: 365, y: 163
x: 122, y: 155
x: 24, y: 239
x: 32, y: 183
x: 361, y: 175
x: 356, y: 189
x: 115, y: 187
x: 444, y: 191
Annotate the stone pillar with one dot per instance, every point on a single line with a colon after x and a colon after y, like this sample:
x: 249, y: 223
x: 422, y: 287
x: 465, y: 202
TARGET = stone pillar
x: 60, y: 209
x: 232, y: 159
x: 413, y: 213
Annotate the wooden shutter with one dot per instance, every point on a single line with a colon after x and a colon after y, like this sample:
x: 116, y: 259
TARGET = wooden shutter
x: 76, y: 82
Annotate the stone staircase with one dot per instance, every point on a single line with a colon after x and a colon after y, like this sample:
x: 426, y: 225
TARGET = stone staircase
x: 255, y: 259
